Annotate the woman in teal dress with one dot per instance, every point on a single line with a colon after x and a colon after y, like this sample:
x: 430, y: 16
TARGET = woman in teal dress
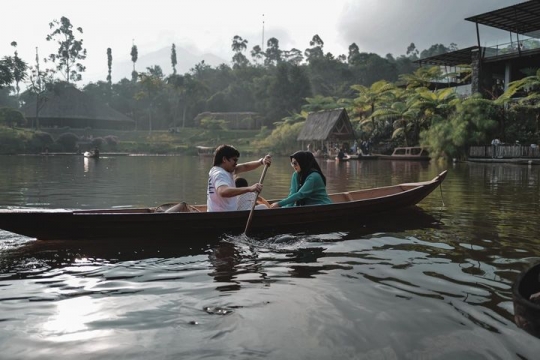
x: 308, y: 184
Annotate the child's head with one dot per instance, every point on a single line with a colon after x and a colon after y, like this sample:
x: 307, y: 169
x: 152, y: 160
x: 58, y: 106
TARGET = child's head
x: 241, y: 182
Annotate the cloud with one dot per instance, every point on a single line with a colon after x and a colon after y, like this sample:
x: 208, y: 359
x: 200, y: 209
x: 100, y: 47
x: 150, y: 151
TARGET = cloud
x: 389, y: 26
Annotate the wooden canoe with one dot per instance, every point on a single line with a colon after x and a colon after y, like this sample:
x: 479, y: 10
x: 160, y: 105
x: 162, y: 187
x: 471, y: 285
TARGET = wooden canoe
x: 527, y: 312
x: 148, y: 223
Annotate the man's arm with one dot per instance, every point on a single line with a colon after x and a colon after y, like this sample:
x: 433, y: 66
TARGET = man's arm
x: 227, y: 191
x: 252, y: 165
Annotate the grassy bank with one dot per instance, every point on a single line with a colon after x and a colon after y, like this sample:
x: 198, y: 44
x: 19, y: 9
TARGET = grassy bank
x: 19, y: 141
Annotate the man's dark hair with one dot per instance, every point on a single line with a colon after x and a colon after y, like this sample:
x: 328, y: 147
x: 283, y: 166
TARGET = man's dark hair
x: 224, y: 150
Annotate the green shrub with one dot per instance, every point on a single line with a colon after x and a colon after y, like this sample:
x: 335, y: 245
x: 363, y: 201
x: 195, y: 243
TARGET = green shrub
x: 211, y: 124
x: 11, y: 142
x: 11, y: 117
x: 97, y: 142
x: 68, y: 141
x: 39, y: 141
x: 111, y: 141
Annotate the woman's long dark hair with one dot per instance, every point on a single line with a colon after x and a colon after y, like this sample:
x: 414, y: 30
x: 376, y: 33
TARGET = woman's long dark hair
x: 308, y: 164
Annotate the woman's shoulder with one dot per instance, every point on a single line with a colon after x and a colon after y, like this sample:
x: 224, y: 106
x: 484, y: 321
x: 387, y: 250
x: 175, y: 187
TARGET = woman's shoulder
x: 314, y: 174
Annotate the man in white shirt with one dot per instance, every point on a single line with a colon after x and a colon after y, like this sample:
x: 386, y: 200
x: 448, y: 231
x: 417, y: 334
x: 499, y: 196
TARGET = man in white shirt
x: 221, y: 194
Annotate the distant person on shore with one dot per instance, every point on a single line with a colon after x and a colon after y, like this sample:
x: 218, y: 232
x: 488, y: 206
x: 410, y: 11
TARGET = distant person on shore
x: 222, y: 193
x: 308, y: 184
x: 494, y: 144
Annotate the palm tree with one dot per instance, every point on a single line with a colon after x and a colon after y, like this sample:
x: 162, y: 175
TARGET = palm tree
x: 404, y: 117
x: 368, y: 98
x: 239, y: 44
x: 423, y: 77
x: 319, y: 102
x: 530, y: 84
x: 439, y: 102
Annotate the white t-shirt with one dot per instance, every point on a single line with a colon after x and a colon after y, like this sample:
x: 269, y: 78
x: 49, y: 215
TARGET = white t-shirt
x: 217, y: 176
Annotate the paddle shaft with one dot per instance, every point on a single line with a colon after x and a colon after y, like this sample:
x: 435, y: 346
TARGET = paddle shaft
x: 255, y: 202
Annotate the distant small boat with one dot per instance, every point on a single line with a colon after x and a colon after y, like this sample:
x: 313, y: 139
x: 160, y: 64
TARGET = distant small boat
x: 526, y: 311
x: 91, y: 154
x: 205, y: 151
x: 344, y: 158
x: 363, y: 157
x: 415, y: 153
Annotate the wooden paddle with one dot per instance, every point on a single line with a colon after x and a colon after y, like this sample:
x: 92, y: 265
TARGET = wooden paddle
x: 255, y: 202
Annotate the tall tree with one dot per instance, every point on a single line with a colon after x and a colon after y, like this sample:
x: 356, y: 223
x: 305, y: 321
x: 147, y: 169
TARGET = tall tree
x: 238, y: 46
x: 19, y: 68
x: 257, y: 53
x: 293, y: 56
x: 151, y: 90
x: 412, y: 51
x: 173, y: 58
x: 39, y: 81
x: 6, y: 77
x: 134, y: 57
x: 354, y: 54
x: 273, y: 53
x: 70, y: 51
x: 316, y: 50
x: 109, y: 66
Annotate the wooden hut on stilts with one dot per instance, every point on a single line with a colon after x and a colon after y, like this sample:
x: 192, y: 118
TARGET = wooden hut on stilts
x: 326, y: 132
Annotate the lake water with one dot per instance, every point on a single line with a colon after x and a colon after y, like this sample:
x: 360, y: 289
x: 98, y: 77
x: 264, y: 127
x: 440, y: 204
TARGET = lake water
x: 434, y: 284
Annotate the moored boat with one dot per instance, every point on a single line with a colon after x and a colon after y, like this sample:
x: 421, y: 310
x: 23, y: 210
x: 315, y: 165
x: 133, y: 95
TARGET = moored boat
x: 91, y: 154
x: 527, y: 311
x: 149, y: 223
x: 205, y: 151
x: 415, y: 153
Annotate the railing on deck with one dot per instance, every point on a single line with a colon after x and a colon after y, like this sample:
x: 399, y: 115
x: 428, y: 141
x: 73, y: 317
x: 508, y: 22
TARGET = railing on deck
x: 504, y: 151
x: 513, y: 47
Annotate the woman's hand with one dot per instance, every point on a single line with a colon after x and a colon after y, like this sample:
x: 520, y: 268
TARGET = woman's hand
x: 275, y: 205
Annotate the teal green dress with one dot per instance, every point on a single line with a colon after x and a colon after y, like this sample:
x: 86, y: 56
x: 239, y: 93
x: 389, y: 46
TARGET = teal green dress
x: 313, y: 192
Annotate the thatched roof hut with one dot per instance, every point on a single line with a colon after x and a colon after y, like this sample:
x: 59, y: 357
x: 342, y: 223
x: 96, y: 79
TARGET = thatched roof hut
x: 330, y: 128
x: 68, y: 106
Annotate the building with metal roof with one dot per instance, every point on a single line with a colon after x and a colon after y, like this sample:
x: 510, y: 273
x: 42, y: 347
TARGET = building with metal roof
x: 494, y: 67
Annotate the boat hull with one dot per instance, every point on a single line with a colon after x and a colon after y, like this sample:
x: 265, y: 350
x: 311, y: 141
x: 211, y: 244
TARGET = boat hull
x: 526, y: 312
x: 145, y: 223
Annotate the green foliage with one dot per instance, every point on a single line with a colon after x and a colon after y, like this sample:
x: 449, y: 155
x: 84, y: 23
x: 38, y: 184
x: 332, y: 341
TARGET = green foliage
x: 11, y: 142
x: 471, y: 124
x: 39, y: 141
x: 70, y: 51
x: 111, y: 141
x: 11, y: 117
x: 282, y: 141
x: 213, y: 124
x: 6, y: 77
x: 68, y: 141
x: 97, y: 142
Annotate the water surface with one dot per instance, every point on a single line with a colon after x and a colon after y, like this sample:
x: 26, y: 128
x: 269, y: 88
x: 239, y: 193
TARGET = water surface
x: 431, y: 283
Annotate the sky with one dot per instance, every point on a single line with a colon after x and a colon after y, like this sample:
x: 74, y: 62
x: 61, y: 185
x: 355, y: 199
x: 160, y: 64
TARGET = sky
x: 208, y: 26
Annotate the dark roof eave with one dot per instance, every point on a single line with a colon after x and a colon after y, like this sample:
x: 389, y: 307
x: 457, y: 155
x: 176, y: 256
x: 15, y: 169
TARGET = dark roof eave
x: 523, y: 18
